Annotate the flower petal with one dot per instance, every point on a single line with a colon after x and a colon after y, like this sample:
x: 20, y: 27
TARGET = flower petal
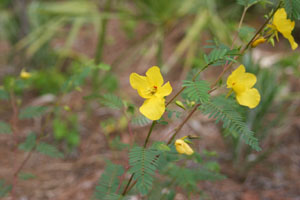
x: 141, y: 84
x: 153, y: 108
x: 154, y: 76
x: 183, y: 148
x: 285, y: 26
x: 294, y: 45
x: 240, y: 81
x: 165, y: 90
x: 234, y: 76
x: 250, y: 98
x: 138, y: 81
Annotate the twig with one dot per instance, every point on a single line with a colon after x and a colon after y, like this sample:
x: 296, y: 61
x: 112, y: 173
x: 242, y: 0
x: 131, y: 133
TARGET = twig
x: 182, y: 123
x: 14, y: 125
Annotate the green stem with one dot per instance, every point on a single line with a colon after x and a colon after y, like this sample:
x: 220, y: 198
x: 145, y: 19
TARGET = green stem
x: 100, y: 44
x: 149, y: 133
x: 102, y: 34
x: 160, y: 46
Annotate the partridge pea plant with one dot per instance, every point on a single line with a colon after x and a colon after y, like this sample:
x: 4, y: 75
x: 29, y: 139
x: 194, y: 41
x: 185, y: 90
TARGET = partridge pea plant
x: 163, y: 157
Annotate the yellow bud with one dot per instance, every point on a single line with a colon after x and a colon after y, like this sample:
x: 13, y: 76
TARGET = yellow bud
x: 24, y: 74
x: 180, y: 104
x: 183, y: 148
x: 258, y: 41
x: 67, y: 108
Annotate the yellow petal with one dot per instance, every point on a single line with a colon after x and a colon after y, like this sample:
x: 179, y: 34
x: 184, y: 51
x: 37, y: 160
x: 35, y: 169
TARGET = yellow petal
x: 250, y: 98
x: 294, y: 45
x: 234, y: 76
x: 137, y: 81
x: 258, y: 41
x: 24, y: 74
x: 165, y: 90
x: 285, y: 26
x: 153, y: 108
x: 154, y: 76
x: 183, y: 148
x: 240, y: 81
x: 141, y: 84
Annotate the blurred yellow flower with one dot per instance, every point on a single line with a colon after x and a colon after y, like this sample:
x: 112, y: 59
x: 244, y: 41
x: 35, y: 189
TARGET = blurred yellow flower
x: 258, y: 41
x: 183, y: 148
x: 242, y: 83
x: 24, y: 74
x: 283, y: 25
x: 151, y: 88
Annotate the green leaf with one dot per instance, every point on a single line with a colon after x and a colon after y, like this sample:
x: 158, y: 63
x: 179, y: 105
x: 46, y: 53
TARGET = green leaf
x: 49, y: 150
x: 4, y: 128
x: 29, y: 143
x: 189, y: 178
x: 161, y: 146
x: 197, y: 91
x: 143, y: 164
x: 292, y: 7
x: 4, y: 95
x: 103, y: 66
x: 140, y: 120
x: 111, y: 101
x: 26, y: 176
x: 247, y: 3
x: 4, y: 189
x: 115, y: 197
x: 109, y: 181
x: 246, y: 32
x: 32, y: 111
x: 222, y: 109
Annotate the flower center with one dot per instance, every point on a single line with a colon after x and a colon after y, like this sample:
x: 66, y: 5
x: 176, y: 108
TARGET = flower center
x: 153, y: 90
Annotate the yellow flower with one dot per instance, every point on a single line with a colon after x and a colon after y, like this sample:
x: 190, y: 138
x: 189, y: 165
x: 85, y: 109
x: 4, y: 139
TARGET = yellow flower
x: 258, y: 41
x: 183, y: 148
x: 151, y: 88
x: 284, y: 25
x: 242, y: 83
x: 24, y: 74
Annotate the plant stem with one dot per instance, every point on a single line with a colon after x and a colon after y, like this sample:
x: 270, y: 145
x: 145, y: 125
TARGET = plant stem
x: 14, y: 125
x: 102, y: 34
x: 149, y: 133
x: 160, y: 45
x: 100, y: 44
x: 182, y: 123
x: 183, y: 88
x: 128, y: 183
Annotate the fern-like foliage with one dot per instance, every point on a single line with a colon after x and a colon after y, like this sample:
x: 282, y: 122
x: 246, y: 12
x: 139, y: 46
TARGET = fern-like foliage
x: 109, y: 182
x: 188, y: 178
x: 140, y: 120
x: 220, y: 55
x: 222, y: 109
x: 143, y: 164
x: 4, y: 128
x: 4, y: 188
x: 111, y: 101
x: 197, y: 91
x: 32, y: 111
x: 247, y: 3
x: 292, y: 8
x: 115, y: 197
